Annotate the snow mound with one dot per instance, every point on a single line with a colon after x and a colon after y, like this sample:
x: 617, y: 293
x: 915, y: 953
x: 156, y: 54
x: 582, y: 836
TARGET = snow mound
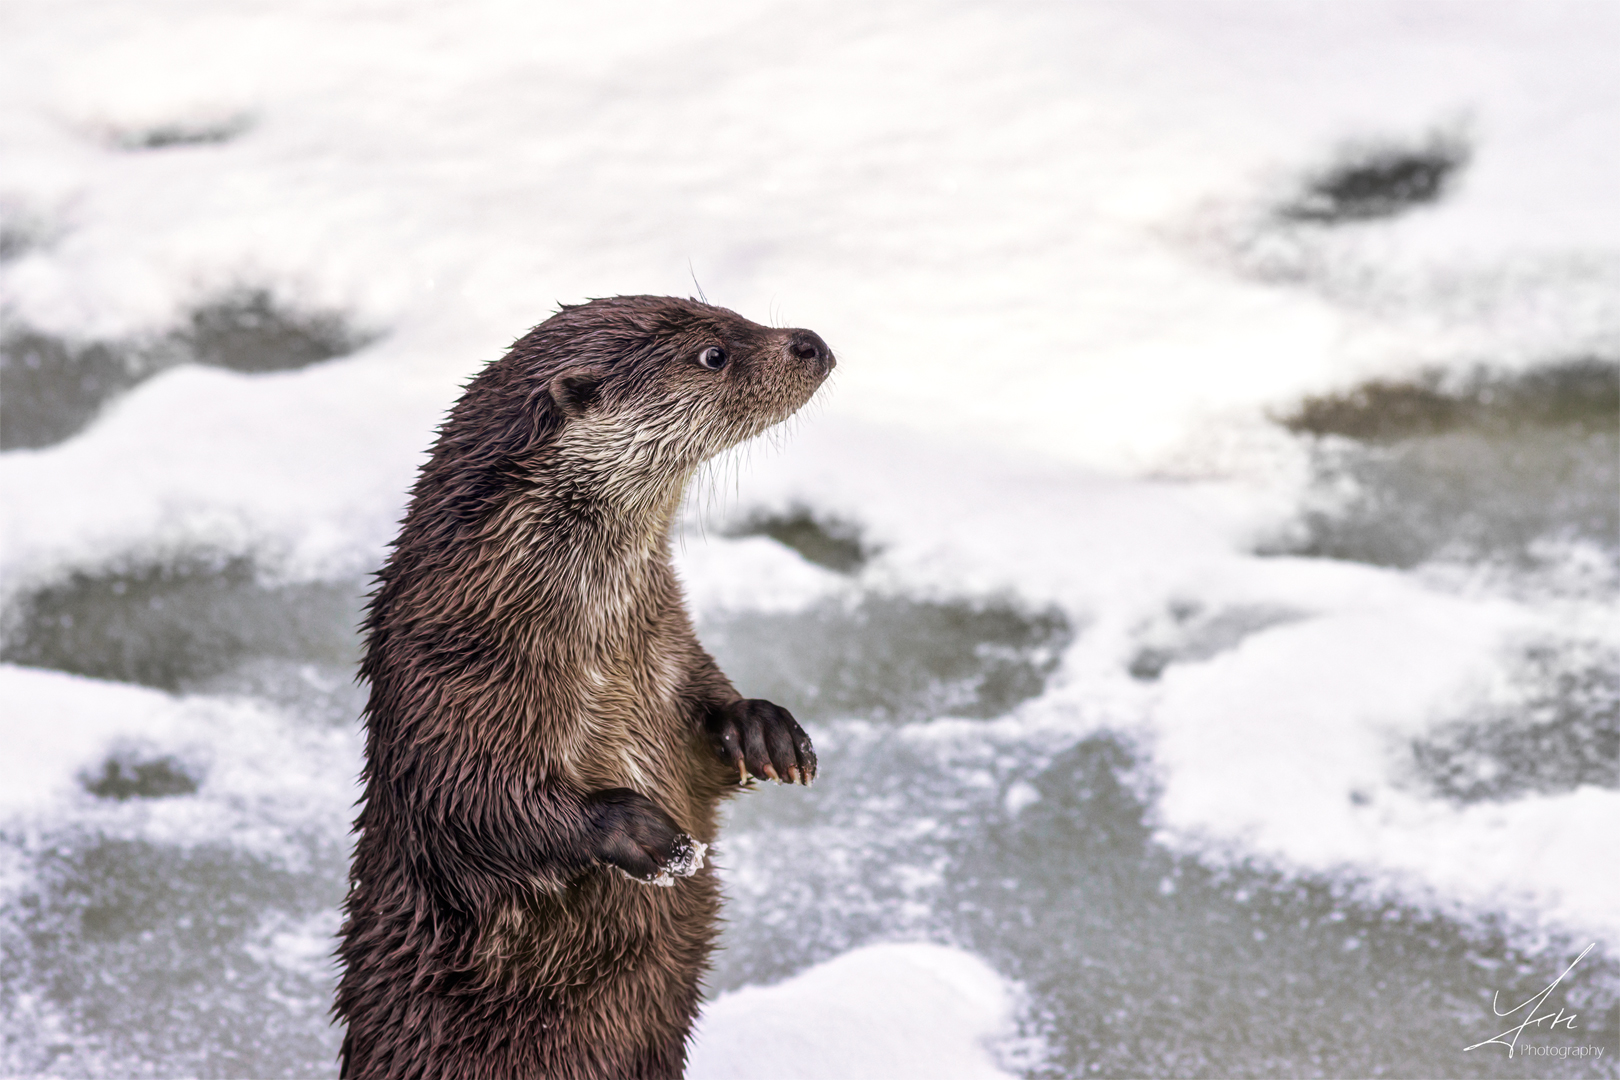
x: 887, y: 1012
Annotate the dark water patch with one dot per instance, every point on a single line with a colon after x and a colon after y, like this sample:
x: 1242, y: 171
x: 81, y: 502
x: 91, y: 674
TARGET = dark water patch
x: 51, y: 388
x: 1466, y: 497
x: 16, y: 239
x: 821, y: 539
x: 1137, y: 961
x: 1148, y: 964
x: 1581, y: 393
x: 131, y: 774
x: 249, y: 330
x: 1562, y: 733
x: 181, y: 133
x: 1379, y: 181
x: 23, y: 228
x: 128, y: 958
x: 1192, y: 632
x: 177, y: 625
x: 322, y: 690
x: 1149, y: 663
x: 1485, y: 470
x: 893, y: 659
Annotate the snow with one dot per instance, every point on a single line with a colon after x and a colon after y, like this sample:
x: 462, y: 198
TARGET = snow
x: 1028, y: 234
x: 883, y: 1012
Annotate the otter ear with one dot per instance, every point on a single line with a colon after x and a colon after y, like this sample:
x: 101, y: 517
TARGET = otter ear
x: 576, y: 390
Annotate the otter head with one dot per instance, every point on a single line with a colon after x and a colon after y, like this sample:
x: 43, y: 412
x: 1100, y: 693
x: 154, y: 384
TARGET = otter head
x: 649, y: 387
x: 612, y: 403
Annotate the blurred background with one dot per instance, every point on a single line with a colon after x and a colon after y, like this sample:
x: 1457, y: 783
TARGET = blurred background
x: 1198, y: 577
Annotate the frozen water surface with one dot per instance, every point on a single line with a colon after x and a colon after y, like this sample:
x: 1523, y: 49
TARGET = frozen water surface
x: 1199, y: 581
x: 55, y: 387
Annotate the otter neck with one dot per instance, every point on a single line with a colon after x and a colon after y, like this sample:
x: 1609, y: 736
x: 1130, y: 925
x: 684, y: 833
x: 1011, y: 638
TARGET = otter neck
x: 595, y: 534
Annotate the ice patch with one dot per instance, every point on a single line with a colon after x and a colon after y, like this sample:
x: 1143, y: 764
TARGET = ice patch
x: 264, y: 776
x: 58, y: 725
x: 884, y: 1012
x: 1285, y: 746
x: 751, y: 573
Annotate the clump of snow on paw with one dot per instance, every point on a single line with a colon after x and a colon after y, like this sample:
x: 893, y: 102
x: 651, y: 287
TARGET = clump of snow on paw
x: 688, y: 860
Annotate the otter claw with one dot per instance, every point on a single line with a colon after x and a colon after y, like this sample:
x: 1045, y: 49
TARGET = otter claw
x: 763, y: 741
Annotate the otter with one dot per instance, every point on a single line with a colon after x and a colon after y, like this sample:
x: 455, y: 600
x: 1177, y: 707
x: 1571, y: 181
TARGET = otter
x: 547, y: 743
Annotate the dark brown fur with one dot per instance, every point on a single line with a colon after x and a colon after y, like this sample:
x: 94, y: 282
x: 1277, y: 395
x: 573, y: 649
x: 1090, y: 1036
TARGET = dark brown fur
x: 542, y: 717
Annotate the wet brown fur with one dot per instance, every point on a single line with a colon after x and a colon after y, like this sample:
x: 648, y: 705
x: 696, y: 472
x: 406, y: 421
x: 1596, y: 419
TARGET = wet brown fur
x: 540, y: 711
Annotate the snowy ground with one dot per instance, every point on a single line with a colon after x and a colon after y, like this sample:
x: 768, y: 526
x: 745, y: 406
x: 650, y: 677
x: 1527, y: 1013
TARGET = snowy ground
x: 1199, y: 578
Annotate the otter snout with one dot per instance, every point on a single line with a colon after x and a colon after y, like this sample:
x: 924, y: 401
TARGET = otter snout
x: 807, y: 347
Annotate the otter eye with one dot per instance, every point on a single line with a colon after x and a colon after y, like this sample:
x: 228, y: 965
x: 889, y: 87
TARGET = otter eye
x: 713, y: 358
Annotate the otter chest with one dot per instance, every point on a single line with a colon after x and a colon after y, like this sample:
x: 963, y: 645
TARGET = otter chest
x: 630, y: 720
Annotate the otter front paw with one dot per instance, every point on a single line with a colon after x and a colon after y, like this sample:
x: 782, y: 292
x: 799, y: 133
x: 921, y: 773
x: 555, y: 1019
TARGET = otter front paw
x: 630, y: 832
x: 758, y: 737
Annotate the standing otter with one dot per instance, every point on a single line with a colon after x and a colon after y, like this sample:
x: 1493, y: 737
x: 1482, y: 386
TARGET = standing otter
x: 545, y: 738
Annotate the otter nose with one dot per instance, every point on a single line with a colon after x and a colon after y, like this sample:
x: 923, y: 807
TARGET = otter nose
x: 808, y: 346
